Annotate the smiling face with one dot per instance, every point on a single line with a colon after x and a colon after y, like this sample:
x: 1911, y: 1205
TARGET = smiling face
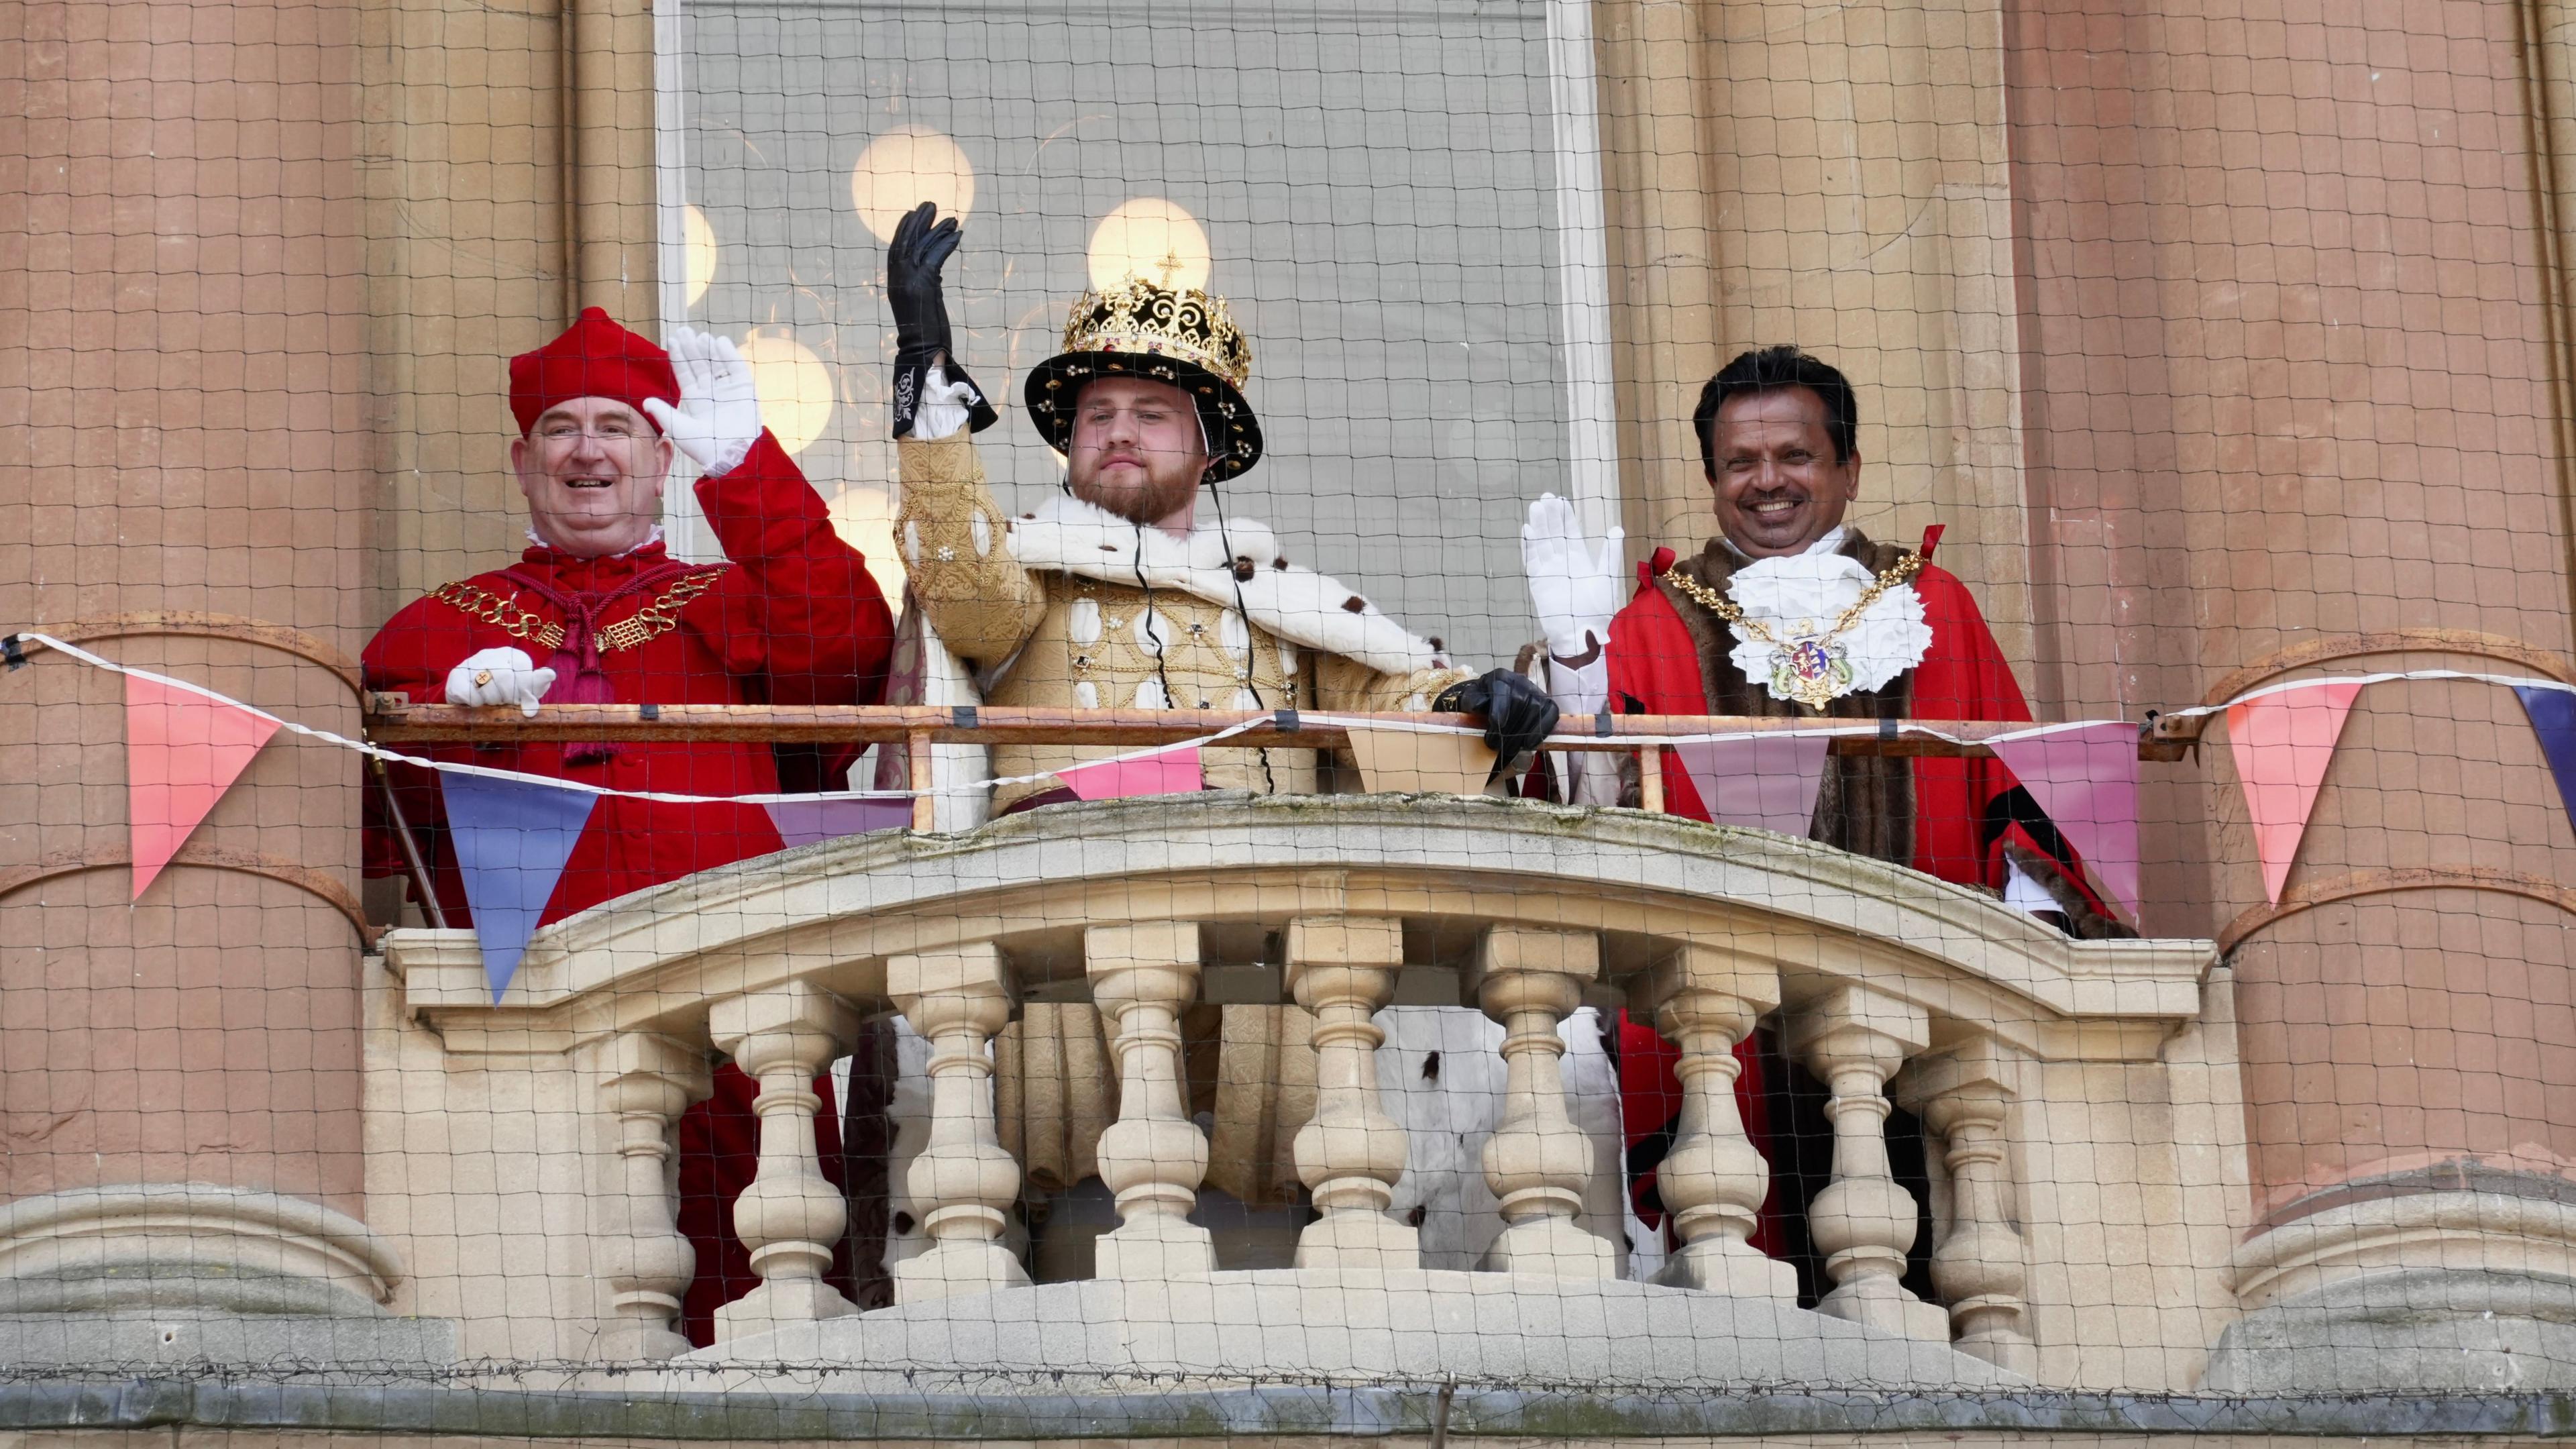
x: 592, y: 470
x: 1137, y: 451
x: 1779, y: 486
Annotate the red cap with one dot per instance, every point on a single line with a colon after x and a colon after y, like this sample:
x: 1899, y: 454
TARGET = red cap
x: 593, y: 358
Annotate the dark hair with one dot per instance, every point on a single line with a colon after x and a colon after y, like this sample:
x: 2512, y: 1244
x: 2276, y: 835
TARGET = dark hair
x: 1771, y: 369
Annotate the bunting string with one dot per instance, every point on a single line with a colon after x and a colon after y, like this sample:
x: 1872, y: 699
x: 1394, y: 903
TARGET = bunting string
x: 1343, y: 721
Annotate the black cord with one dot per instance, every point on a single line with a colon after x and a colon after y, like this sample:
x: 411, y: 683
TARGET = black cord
x: 1162, y: 647
x: 1251, y: 637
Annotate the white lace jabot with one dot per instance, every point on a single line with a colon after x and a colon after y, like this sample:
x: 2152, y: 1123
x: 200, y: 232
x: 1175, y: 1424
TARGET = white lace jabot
x: 1800, y: 596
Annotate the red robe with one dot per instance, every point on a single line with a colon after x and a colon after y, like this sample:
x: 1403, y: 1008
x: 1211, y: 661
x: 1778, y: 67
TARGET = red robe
x: 1655, y: 662
x: 1958, y: 830
x: 794, y: 618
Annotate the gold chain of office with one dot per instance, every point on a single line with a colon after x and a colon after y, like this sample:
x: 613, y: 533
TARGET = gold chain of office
x: 515, y: 619
x: 1814, y: 668
x: 1725, y: 608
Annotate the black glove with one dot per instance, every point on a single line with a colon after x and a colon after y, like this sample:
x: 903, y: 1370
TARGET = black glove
x: 913, y: 260
x: 1518, y: 715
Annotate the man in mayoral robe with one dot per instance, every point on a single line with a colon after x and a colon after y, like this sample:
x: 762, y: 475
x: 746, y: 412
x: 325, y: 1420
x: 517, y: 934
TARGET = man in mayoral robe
x: 1790, y: 611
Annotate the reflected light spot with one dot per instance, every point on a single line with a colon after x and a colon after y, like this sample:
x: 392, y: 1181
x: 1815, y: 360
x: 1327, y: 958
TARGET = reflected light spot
x: 795, y: 387
x: 904, y: 168
x: 1150, y: 238
x: 699, y: 238
x: 863, y: 515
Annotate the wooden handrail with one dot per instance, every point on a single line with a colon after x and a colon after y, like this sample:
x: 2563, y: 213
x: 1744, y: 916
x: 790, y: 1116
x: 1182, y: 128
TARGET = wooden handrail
x: 394, y: 720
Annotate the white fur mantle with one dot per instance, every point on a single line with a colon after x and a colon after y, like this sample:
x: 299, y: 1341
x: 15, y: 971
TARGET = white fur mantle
x: 1294, y: 603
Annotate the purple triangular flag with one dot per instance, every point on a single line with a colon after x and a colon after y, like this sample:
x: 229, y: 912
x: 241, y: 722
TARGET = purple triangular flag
x: 2085, y: 778
x: 2553, y: 718
x: 512, y: 839
x: 803, y: 822
x: 1767, y: 781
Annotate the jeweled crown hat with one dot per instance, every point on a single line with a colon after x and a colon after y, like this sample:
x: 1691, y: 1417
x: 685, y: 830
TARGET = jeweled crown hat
x: 1178, y: 335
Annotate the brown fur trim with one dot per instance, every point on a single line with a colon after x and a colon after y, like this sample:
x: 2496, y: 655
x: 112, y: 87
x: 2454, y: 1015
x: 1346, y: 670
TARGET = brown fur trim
x: 1866, y: 804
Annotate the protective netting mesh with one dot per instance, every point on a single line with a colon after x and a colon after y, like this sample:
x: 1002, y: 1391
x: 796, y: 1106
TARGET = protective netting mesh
x: 785, y: 719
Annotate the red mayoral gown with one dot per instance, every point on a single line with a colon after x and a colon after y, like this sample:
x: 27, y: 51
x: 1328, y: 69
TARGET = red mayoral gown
x: 793, y: 617
x: 1951, y: 818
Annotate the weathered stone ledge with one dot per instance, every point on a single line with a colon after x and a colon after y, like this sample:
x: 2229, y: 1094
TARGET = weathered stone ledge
x: 271, y: 1411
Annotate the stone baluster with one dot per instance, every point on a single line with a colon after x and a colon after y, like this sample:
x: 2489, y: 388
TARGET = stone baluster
x: 1713, y: 1181
x: 1981, y: 1267
x: 956, y: 1000
x: 649, y: 1081
x: 1350, y: 1153
x: 1538, y: 1162
x: 1153, y: 1156
x: 791, y: 1216
x: 1855, y: 1039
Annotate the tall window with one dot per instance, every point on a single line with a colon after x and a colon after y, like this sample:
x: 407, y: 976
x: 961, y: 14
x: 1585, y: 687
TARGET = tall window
x: 1374, y: 187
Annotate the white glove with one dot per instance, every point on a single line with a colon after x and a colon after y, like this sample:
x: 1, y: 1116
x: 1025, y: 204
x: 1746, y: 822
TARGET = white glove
x: 718, y: 418
x: 1573, y: 582
x: 943, y: 409
x: 499, y: 676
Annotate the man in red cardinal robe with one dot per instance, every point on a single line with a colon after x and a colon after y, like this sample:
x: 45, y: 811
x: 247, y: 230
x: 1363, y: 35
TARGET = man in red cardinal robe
x: 597, y: 611
x: 1791, y: 612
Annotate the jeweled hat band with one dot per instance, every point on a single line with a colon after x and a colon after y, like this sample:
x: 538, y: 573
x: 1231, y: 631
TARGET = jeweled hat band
x: 1138, y: 316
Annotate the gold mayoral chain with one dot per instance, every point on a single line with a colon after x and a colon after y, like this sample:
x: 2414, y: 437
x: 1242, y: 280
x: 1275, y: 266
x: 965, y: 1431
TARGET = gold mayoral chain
x: 1811, y: 666
x: 645, y: 625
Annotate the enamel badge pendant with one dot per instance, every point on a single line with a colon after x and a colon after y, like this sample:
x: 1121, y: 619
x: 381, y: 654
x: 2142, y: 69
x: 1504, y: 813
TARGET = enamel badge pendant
x: 1812, y: 669
x: 1812, y: 665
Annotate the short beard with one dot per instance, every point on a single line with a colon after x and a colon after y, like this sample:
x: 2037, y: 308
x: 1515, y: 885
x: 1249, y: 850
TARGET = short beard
x: 1148, y: 508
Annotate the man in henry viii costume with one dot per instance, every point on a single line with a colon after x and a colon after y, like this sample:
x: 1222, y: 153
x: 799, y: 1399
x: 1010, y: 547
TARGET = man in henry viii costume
x: 792, y: 618
x: 1130, y: 590
x: 1121, y: 592
x: 1791, y: 612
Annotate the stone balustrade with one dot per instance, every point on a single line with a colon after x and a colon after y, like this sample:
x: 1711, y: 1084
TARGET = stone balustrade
x: 1890, y: 988
x: 1350, y: 1154
x: 790, y: 1216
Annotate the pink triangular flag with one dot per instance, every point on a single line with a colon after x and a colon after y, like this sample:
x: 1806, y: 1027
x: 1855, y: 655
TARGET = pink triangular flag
x: 2086, y: 780
x: 1767, y: 781
x: 2283, y: 743
x: 1165, y: 772
x: 182, y: 752
x: 804, y: 822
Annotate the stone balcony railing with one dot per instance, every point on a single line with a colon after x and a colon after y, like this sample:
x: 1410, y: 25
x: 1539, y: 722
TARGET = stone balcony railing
x: 2079, y: 1098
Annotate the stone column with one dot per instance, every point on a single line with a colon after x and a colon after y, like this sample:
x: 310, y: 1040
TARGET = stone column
x: 1855, y: 1039
x: 1154, y: 1156
x: 186, y: 485
x: 1662, y: 211
x: 615, y: 180
x: 964, y: 1181
x: 1713, y: 1181
x: 646, y: 1261
x: 791, y: 1216
x: 1538, y: 1161
x: 1982, y: 1266
x: 2401, y: 1016
x: 1342, y: 968
x: 1861, y: 199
